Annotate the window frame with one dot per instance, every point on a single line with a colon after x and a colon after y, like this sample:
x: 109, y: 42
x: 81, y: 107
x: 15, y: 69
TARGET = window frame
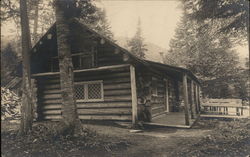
x: 86, y: 87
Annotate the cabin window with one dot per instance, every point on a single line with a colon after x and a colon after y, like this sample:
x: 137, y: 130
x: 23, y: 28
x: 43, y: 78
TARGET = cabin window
x: 89, y: 91
x: 154, y: 86
x: 83, y: 61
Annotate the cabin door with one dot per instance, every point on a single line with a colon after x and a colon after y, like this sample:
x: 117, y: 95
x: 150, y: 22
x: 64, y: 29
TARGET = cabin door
x: 166, y: 96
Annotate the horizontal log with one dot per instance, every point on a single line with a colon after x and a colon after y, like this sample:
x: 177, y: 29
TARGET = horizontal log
x: 82, y: 105
x: 51, y: 107
x: 100, y: 117
x: 116, y: 86
x: 118, y: 98
x: 106, y: 81
x: 101, y: 77
x: 117, y: 92
x: 51, y: 96
x: 115, y: 80
x: 52, y: 101
x: 51, y: 86
x: 52, y: 117
x: 52, y: 91
x: 104, y: 105
x: 52, y: 112
x: 83, y: 70
x: 105, y: 111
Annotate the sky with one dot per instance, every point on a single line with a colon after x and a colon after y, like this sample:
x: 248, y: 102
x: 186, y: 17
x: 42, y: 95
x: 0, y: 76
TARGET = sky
x: 158, y: 20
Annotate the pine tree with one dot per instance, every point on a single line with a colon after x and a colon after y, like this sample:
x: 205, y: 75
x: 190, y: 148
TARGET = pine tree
x: 136, y: 44
x: 26, y: 109
x: 9, y: 63
x: 206, y: 54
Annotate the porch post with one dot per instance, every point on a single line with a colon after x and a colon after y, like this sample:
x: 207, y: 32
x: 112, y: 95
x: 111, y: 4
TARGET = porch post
x: 134, y: 95
x: 199, y: 101
x: 196, y: 98
x: 193, y: 106
x: 185, y: 96
x: 166, y: 96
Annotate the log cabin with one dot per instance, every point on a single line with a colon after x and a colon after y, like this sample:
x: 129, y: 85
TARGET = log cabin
x: 111, y: 83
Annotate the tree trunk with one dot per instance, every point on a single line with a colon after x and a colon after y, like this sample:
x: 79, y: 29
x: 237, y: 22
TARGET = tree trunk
x: 69, y: 113
x: 26, y: 109
x: 35, y: 22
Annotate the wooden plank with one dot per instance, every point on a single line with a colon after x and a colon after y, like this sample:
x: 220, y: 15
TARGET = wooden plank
x: 158, y: 109
x: 157, y: 114
x: 105, y: 111
x: 134, y: 95
x: 107, y: 117
x: 185, y: 97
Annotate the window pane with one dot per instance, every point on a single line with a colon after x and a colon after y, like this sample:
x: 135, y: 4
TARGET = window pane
x: 94, y: 91
x: 79, y: 89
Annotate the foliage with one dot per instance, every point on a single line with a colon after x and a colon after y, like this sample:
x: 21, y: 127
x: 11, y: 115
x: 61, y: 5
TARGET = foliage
x: 43, y: 140
x: 9, y: 64
x: 86, y: 11
x: 10, y: 105
x: 228, y: 138
x: 136, y: 44
x: 208, y: 55
x: 232, y: 15
x: 94, y: 17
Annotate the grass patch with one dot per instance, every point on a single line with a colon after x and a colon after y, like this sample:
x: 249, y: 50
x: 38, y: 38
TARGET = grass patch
x: 228, y: 138
x: 43, y: 141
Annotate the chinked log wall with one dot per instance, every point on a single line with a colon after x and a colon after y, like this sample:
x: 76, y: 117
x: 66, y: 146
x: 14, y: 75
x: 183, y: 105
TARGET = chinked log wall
x: 117, y: 104
x: 158, y: 101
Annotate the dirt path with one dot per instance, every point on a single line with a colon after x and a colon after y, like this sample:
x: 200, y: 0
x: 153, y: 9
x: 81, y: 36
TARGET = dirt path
x: 154, y: 142
x: 158, y: 142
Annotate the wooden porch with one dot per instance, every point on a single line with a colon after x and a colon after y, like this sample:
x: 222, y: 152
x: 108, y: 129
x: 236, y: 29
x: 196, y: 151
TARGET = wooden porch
x: 172, y: 119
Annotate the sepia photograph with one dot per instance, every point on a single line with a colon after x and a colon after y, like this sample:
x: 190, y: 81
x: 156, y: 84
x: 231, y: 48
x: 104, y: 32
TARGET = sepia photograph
x: 125, y: 78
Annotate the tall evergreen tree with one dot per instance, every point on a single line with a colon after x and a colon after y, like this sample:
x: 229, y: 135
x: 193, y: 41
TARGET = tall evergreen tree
x: 136, y: 44
x: 210, y: 57
x: 26, y: 109
x: 9, y: 63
